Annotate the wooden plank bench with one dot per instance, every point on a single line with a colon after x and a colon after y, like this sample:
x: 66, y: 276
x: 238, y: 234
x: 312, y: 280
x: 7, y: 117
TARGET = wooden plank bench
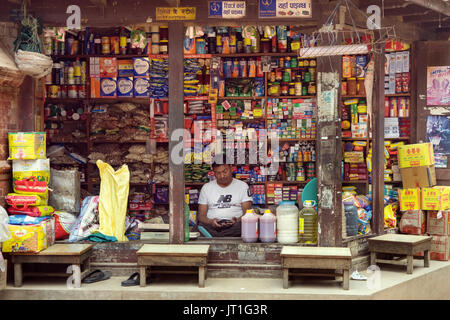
x: 173, y: 255
x: 400, y: 245
x: 73, y: 254
x: 316, y: 258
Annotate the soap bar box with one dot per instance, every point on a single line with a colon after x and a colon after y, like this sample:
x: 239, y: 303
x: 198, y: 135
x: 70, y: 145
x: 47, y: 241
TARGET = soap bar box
x: 125, y: 86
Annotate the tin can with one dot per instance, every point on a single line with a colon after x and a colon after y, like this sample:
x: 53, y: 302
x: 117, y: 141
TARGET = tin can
x: 312, y: 88
x: 284, y: 89
x: 164, y: 46
x: 63, y: 90
x: 292, y: 89
x: 298, y: 88
x: 346, y: 67
x: 81, y: 91
x: 106, y: 46
x: 115, y: 45
x: 155, y: 48
x: 53, y: 91
x: 344, y: 88
x: 72, y: 92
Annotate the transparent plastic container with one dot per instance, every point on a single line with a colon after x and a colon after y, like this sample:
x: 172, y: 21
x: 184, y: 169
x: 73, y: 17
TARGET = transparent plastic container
x: 249, y: 226
x: 307, y: 220
x: 268, y: 227
x: 287, y: 222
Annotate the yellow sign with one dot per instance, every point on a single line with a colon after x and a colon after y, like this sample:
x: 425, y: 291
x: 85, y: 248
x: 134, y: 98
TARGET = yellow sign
x: 175, y: 13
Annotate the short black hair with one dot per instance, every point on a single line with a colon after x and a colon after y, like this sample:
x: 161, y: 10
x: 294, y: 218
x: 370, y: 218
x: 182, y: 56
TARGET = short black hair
x: 216, y: 165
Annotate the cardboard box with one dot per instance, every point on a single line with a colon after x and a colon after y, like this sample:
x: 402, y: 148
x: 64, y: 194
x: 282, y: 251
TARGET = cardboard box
x: 413, y: 222
x: 94, y: 67
x: 30, y: 238
x: 141, y: 67
x: 27, y: 145
x: 108, y: 67
x: 23, y: 169
x: 409, y: 199
x: 415, y: 155
x: 438, y: 223
x: 418, y: 177
x: 108, y: 87
x: 3, y: 276
x: 125, y: 86
x: 125, y: 68
x: 95, y: 87
x: 141, y: 87
x: 436, y: 198
x: 440, y: 248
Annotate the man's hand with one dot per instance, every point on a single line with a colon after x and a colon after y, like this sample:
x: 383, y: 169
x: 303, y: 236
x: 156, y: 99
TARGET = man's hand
x: 215, y: 223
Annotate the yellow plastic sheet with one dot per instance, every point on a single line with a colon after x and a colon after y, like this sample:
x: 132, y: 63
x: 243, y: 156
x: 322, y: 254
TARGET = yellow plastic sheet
x: 113, y: 200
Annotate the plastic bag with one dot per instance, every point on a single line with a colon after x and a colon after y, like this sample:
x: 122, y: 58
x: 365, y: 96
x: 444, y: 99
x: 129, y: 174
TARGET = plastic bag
x: 4, y: 220
x: 113, y: 200
x: 87, y: 221
x: 64, y: 224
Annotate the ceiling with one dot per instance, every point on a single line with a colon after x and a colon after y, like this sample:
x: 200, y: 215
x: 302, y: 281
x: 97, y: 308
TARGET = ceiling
x: 432, y: 15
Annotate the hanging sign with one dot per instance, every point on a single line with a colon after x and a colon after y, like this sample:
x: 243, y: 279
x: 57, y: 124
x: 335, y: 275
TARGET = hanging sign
x: 226, y: 9
x: 175, y: 13
x: 285, y: 9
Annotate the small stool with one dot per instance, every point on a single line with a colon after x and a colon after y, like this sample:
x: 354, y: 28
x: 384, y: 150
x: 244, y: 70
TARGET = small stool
x: 74, y: 254
x: 400, y: 245
x: 183, y: 255
x: 316, y: 258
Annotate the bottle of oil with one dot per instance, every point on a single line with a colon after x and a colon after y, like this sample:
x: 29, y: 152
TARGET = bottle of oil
x: 308, y: 223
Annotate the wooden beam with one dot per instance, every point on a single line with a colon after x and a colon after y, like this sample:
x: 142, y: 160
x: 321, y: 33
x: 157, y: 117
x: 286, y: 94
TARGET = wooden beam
x: 433, y: 16
x: 176, y: 121
x: 435, y: 5
x: 378, y: 142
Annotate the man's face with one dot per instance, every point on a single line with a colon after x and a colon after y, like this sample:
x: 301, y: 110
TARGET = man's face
x: 224, y: 174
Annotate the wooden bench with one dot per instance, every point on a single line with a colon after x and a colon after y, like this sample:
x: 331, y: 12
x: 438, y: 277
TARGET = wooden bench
x: 403, y: 245
x: 316, y: 258
x: 74, y: 254
x: 173, y: 255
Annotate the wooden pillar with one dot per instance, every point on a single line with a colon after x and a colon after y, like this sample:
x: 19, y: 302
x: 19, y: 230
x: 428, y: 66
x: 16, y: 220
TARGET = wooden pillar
x: 329, y: 154
x: 378, y: 142
x: 176, y: 121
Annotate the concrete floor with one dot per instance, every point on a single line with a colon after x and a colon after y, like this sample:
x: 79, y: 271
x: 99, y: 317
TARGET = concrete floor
x: 424, y: 283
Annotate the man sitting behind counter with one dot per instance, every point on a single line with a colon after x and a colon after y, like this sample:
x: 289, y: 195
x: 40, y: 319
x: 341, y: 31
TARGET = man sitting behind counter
x: 222, y: 203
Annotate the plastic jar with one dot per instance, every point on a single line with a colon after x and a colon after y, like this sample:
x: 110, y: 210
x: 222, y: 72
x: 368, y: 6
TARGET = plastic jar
x: 292, y: 89
x: 360, y: 88
x: 274, y: 89
x: 287, y: 222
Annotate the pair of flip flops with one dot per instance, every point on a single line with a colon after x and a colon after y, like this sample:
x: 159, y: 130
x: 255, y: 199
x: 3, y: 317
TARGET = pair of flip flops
x: 96, y: 276
x: 133, y: 280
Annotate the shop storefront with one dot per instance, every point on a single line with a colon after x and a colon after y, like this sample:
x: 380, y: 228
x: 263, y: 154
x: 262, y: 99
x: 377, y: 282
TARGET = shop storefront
x: 121, y: 90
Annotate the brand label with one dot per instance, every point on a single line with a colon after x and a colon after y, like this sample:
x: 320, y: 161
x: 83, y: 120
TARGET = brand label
x: 124, y: 86
x: 301, y: 225
x: 108, y: 87
x: 141, y: 66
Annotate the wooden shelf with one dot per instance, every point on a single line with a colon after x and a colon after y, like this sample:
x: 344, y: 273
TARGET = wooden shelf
x: 245, y: 55
x: 354, y: 139
x: 85, y: 56
x: 356, y: 181
x: 354, y: 96
x: 50, y: 141
x: 291, y: 97
x: 119, y: 99
x: 241, y: 98
x: 288, y: 182
x: 119, y: 142
x: 65, y: 120
x: 398, y: 95
x: 400, y: 138
x: 64, y: 100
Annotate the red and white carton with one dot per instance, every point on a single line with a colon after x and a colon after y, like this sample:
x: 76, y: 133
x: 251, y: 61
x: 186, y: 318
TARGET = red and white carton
x: 440, y: 248
x: 412, y: 222
x: 438, y: 223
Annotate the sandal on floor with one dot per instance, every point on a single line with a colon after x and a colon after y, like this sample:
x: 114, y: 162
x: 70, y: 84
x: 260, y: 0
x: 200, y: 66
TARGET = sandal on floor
x: 95, y: 276
x: 133, y: 280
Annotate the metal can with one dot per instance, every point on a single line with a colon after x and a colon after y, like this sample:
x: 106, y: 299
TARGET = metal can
x: 106, y: 47
x: 72, y: 92
x: 63, y: 90
x: 81, y: 91
x: 284, y: 89
x: 298, y: 88
x: 292, y: 89
x: 115, y: 48
x: 53, y: 91
x: 312, y: 88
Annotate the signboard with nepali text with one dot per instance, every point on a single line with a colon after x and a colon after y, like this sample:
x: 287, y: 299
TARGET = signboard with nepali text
x: 175, y: 13
x: 285, y: 9
x: 226, y: 9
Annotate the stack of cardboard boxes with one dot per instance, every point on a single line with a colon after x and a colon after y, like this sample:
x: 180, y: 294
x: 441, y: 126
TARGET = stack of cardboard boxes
x: 112, y: 77
x: 425, y: 207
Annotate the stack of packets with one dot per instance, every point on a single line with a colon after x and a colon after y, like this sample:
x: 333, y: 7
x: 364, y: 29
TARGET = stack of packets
x: 30, y: 223
x: 363, y: 205
x: 391, y: 167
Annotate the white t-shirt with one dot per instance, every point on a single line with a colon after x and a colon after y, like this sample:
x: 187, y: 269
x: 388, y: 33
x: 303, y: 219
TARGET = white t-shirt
x: 225, y: 203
